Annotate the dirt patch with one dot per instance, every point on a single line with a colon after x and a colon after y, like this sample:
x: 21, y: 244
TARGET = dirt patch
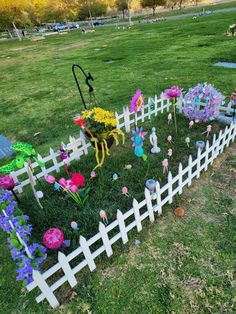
x: 22, y: 48
x: 68, y: 47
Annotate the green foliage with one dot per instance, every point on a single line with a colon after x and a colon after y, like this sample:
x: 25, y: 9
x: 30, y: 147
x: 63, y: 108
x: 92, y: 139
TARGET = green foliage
x: 92, y: 8
x: 152, y: 4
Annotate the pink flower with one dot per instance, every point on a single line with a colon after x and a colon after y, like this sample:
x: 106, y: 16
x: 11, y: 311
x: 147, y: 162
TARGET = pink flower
x: 63, y: 182
x: 173, y: 92
x: 53, y: 238
x: 50, y: 179
x: 7, y: 182
x: 73, y: 188
x: 77, y: 179
x: 137, y: 102
x: 169, y: 138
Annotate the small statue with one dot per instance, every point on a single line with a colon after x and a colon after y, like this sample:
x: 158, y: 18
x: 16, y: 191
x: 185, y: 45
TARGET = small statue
x: 153, y: 140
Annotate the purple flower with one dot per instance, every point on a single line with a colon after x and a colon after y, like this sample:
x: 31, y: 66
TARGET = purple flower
x: 173, y: 92
x: 137, y: 102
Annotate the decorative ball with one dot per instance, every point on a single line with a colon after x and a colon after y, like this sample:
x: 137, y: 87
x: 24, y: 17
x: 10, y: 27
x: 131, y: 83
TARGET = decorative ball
x: 7, y: 182
x: 53, y: 238
x: 179, y: 211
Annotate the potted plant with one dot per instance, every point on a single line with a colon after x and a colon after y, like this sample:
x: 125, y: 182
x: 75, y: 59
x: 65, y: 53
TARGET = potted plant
x: 101, y: 129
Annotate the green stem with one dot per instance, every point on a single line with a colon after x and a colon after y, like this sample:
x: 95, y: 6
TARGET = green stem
x: 175, y: 116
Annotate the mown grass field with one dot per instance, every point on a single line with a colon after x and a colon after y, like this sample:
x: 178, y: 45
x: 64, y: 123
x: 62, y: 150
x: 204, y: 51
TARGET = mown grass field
x: 183, y: 266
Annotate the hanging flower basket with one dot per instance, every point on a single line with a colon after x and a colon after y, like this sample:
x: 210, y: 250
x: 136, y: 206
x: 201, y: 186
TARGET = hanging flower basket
x: 100, y: 127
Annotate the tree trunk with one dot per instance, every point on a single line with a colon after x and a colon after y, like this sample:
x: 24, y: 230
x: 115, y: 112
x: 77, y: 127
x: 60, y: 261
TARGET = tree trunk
x: 9, y: 33
x: 123, y: 12
x: 129, y: 13
x: 91, y: 18
x: 153, y: 11
x: 17, y: 31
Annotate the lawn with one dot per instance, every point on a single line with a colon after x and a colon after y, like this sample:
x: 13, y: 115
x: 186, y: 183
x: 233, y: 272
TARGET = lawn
x: 39, y: 95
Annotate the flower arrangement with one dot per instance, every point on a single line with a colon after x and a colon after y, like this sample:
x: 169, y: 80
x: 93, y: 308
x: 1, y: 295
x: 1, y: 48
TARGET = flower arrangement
x: 71, y: 187
x: 14, y: 222
x: 206, y: 95
x: 173, y: 93
x: 99, y: 124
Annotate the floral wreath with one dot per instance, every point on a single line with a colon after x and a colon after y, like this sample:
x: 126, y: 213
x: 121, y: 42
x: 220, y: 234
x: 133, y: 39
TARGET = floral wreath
x: 202, y: 94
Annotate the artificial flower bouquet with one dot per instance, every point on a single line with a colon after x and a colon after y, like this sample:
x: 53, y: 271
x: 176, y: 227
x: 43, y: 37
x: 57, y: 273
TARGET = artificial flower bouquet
x: 100, y: 126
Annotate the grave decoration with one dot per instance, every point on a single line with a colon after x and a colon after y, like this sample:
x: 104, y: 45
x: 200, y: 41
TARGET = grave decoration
x: 153, y: 140
x: 138, y: 138
x: 25, y: 153
x: 7, y: 183
x: 13, y: 221
x: 100, y: 127
x: 136, y: 103
x: 53, y: 238
x: 202, y: 95
x: 233, y: 103
x: 173, y: 93
x: 71, y: 187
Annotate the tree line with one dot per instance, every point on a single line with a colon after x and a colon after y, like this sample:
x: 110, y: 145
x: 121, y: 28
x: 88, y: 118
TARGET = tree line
x: 18, y: 13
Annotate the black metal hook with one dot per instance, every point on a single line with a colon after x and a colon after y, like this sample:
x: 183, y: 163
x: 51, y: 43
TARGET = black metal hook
x: 87, y: 79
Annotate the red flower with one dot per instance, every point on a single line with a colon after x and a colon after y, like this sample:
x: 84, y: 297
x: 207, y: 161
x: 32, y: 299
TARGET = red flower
x: 79, y: 121
x: 77, y: 179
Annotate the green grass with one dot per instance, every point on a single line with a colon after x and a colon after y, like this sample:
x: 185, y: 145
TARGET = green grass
x: 39, y: 95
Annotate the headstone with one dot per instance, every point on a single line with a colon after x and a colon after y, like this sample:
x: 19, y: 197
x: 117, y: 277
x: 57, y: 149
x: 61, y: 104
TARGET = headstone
x: 5, y: 149
x: 230, y: 65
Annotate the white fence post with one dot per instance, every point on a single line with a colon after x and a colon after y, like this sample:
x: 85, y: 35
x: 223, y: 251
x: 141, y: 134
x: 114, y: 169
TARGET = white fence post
x: 158, y: 193
x: 198, y: 162
x: 137, y: 215
x: 224, y: 139
x: 54, y: 159
x: 180, y: 178
x: 213, y: 150
x: 44, y: 287
x: 62, y: 259
x: 126, y: 119
x: 170, y: 188
x: 207, y: 155
x: 190, y: 161
x: 105, y: 239
x: 87, y: 253
x: 229, y: 134
x: 149, y: 205
x: 122, y: 227
x: 168, y: 105
x: 73, y: 145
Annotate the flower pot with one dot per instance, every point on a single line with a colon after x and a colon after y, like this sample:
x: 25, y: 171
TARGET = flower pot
x: 109, y: 139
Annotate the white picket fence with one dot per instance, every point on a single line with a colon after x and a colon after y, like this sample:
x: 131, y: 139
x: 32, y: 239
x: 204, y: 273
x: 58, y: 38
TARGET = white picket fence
x: 153, y: 204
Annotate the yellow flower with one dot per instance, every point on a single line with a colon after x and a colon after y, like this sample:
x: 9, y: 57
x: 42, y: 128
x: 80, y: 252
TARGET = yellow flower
x: 86, y: 114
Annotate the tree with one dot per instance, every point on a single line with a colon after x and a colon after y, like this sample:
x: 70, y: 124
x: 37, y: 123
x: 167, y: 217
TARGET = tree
x: 152, y: 4
x: 13, y: 13
x: 92, y: 8
x: 121, y: 5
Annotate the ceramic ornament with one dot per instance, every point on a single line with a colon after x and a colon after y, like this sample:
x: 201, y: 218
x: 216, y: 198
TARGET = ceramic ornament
x: 103, y: 216
x: 115, y: 177
x: 187, y: 141
x: 169, y: 118
x: 93, y: 174
x: 170, y: 152
x: 74, y: 225
x: 128, y: 167
x: 191, y: 123
x: 153, y: 140
x: 125, y: 191
x: 169, y: 139
x: 208, y: 130
x: 151, y: 185
x: 165, y: 164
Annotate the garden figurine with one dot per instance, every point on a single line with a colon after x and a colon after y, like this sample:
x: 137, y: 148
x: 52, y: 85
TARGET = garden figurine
x: 138, y: 138
x: 191, y: 123
x: 170, y: 152
x: 169, y: 139
x: 165, y: 164
x: 103, y: 216
x: 169, y: 118
x: 125, y: 191
x: 208, y: 130
x: 153, y: 140
x: 187, y: 141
